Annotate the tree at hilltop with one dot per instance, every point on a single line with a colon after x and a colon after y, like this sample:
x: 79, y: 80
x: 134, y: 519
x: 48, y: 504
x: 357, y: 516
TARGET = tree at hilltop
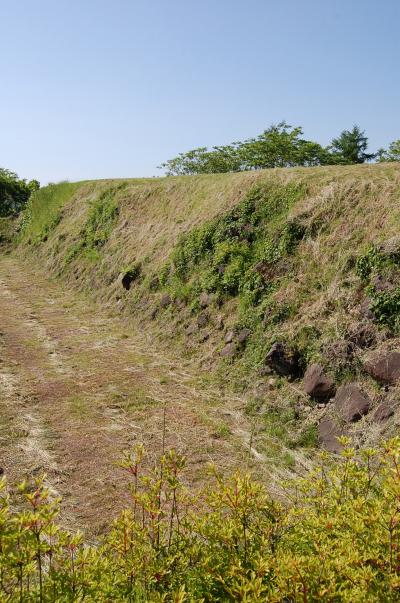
x: 280, y: 145
x: 350, y: 147
x: 14, y: 192
x: 392, y: 153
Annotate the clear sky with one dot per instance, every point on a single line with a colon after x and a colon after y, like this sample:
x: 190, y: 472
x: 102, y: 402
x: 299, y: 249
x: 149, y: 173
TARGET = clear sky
x: 111, y: 88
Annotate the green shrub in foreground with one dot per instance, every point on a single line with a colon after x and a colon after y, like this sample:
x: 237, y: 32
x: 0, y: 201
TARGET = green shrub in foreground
x: 334, y: 538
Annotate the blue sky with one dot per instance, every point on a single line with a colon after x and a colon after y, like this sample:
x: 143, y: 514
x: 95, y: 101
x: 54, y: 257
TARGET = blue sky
x: 111, y: 88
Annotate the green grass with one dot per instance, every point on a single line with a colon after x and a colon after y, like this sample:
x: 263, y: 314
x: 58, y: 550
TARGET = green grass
x: 43, y: 211
x: 385, y: 304
x: 101, y: 218
x: 80, y: 407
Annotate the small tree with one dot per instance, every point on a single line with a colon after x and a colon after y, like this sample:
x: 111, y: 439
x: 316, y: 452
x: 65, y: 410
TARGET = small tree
x: 392, y: 154
x: 14, y: 192
x: 350, y: 147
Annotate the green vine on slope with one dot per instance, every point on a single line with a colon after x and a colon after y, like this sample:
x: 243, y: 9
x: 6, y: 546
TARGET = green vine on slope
x: 229, y: 255
x: 101, y: 218
x: 376, y: 266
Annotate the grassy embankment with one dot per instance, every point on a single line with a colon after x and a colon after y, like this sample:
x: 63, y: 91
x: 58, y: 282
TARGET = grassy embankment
x: 275, y: 255
x: 290, y: 256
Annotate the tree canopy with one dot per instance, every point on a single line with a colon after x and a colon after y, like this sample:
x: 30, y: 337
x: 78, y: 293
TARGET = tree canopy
x: 350, y: 147
x: 14, y: 192
x: 392, y: 153
x: 280, y: 145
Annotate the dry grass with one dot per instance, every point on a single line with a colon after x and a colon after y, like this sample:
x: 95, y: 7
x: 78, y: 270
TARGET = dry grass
x: 82, y: 392
x: 127, y: 372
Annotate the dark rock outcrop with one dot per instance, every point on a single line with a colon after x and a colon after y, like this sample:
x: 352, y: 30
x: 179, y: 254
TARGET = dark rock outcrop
x: 317, y: 385
x: 352, y: 403
x: 205, y: 300
x: 382, y: 283
x: 191, y: 329
x: 154, y: 283
x: 363, y: 335
x: 127, y: 280
x: 229, y: 336
x: 383, y: 412
x: 328, y: 432
x: 385, y: 368
x: 165, y: 301
x: 284, y: 361
x: 339, y: 353
x: 243, y: 335
x: 131, y: 276
x: 202, y: 320
x: 365, y: 309
x: 391, y: 247
x: 229, y: 350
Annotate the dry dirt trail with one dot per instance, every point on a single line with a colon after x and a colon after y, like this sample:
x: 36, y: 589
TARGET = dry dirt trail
x: 77, y: 388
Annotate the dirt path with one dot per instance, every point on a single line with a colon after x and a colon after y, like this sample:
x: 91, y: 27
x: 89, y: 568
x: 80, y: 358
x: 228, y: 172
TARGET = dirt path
x: 77, y: 388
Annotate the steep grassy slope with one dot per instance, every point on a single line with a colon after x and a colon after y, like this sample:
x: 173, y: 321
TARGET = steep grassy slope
x: 222, y: 267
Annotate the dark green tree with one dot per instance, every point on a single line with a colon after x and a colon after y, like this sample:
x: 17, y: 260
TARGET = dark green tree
x: 281, y: 145
x: 202, y: 161
x: 350, y: 147
x: 14, y: 192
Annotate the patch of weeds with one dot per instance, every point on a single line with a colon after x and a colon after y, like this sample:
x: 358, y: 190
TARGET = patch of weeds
x: 54, y: 221
x: 78, y: 406
x: 230, y: 255
x: 307, y: 342
x: 101, y: 218
x: 164, y: 274
x: 73, y: 251
x: 222, y: 431
x: 288, y: 460
x: 275, y: 313
x: 91, y: 255
x: 278, y: 423
x: 372, y: 268
x: 253, y: 406
x: 6, y: 230
x: 347, y: 370
x: 241, y: 255
x: 32, y: 343
x: 368, y: 262
x: 139, y: 400
x: 308, y: 438
x: 385, y: 306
